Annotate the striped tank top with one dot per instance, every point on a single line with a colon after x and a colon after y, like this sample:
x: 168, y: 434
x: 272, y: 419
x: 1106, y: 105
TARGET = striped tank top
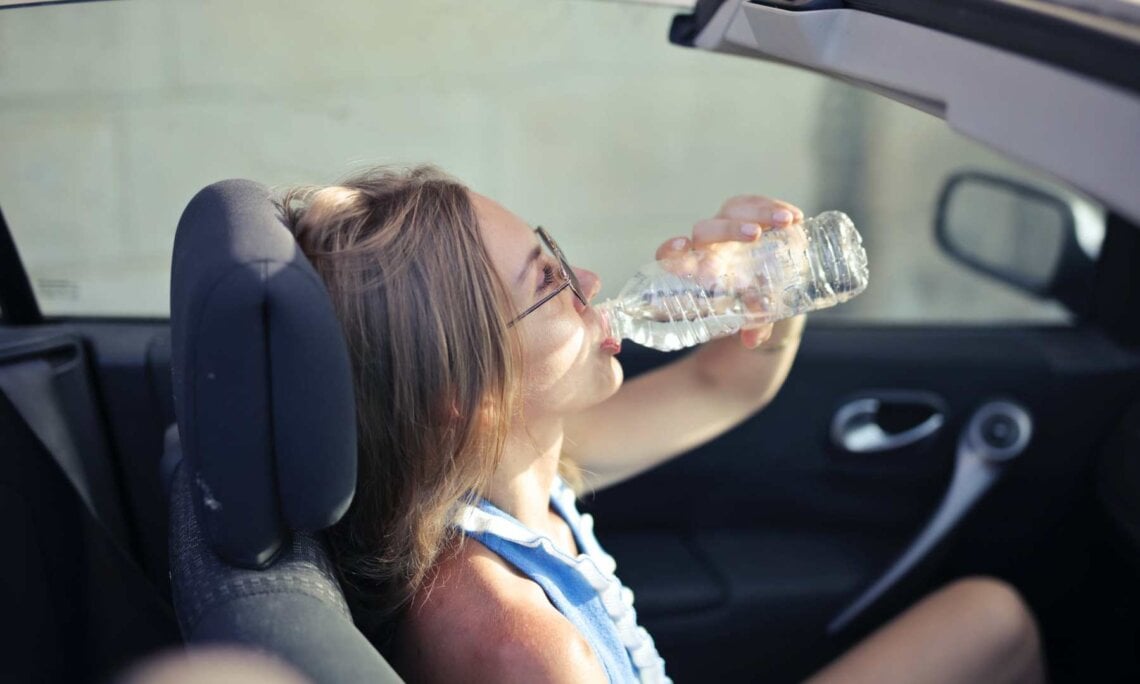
x: 583, y: 588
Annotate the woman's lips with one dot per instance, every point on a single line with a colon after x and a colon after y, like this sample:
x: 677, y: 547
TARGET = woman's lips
x: 609, y: 344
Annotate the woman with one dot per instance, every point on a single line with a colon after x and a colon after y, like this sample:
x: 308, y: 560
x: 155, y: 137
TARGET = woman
x: 484, y: 383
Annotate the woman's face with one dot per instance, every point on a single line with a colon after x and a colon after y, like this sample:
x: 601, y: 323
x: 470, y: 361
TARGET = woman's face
x: 565, y: 367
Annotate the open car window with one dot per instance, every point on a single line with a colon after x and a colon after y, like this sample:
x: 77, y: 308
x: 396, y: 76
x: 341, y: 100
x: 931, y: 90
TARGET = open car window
x: 577, y: 115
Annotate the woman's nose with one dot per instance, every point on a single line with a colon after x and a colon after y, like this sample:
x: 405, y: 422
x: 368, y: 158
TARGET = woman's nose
x: 589, y: 281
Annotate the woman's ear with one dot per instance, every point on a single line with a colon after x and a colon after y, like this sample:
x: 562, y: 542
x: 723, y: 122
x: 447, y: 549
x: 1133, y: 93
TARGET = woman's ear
x: 452, y: 411
x: 494, y: 414
x: 487, y: 413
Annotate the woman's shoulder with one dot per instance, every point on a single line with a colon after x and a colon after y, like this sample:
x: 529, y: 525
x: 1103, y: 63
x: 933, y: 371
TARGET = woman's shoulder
x: 468, y: 576
x: 478, y: 618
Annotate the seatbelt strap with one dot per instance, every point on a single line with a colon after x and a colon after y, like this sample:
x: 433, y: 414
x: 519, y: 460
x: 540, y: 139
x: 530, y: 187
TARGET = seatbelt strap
x: 27, y: 384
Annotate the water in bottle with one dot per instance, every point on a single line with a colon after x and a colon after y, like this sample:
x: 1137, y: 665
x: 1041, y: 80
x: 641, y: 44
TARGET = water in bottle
x: 702, y: 295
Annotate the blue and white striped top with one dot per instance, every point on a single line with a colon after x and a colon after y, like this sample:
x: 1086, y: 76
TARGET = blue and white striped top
x: 583, y: 588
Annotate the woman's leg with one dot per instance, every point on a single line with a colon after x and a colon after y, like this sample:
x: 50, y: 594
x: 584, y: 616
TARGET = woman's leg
x: 974, y: 630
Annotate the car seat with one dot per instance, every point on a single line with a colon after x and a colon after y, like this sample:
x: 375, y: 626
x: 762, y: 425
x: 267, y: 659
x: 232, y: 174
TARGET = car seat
x: 267, y: 452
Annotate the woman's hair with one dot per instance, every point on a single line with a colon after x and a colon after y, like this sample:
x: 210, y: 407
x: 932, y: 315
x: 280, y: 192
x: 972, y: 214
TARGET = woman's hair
x: 425, y: 316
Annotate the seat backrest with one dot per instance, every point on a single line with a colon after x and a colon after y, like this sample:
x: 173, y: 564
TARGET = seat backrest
x: 266, y: 419
x: 293, y: 608
x: 262, y: 382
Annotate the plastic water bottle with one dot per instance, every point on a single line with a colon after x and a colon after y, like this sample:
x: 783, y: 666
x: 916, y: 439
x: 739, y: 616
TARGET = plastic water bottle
x: 702, y: 295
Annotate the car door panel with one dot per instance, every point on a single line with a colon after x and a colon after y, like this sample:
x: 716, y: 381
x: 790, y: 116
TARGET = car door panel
x: 133, y: 370
x: 77, y: 588
x: 791, y: 528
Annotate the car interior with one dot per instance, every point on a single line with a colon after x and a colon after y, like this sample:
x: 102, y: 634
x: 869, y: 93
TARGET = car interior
x: 167, y: 479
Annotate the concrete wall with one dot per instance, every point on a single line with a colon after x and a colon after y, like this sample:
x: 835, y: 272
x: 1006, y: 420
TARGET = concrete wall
x: 577, y: 114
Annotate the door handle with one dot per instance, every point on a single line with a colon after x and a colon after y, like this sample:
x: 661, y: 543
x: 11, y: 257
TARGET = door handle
x: 998, y: 432
x: 856, y: 427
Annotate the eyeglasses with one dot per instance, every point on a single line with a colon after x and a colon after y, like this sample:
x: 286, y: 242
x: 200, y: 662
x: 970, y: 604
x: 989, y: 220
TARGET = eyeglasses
x: 569, y: 280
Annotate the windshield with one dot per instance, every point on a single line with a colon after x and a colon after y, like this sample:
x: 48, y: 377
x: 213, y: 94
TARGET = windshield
x: 576, y: 115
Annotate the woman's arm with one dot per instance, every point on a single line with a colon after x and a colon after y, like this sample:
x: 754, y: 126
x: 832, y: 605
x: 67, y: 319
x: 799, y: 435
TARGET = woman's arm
x: 673, y: 409
x: 676, y: 408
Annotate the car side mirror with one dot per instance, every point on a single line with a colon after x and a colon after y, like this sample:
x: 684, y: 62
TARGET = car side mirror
x: 1018, y: 234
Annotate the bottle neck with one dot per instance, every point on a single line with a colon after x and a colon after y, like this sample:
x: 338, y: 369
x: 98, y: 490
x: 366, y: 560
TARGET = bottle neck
x: 614, y: 319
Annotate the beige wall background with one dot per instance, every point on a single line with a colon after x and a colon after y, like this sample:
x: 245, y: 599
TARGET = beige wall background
x: 577, y: 114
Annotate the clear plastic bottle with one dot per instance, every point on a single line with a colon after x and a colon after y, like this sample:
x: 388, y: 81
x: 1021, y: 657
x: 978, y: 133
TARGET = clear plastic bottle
x: 677, y: 303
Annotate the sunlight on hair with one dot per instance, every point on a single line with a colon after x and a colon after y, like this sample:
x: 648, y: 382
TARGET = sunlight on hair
x: 335, y: 197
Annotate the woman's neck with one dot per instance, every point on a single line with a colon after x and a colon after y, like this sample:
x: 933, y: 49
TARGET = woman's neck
x: 522, y: 482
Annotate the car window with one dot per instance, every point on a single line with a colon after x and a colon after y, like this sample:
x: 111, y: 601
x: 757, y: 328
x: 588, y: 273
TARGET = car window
x: 577, y: 115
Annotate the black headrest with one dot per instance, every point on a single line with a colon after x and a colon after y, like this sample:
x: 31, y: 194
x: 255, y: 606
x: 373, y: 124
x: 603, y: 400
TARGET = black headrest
x: 262, y: 380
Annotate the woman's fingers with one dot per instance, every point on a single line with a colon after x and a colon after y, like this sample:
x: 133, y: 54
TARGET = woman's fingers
x: 677, y: 257
x: 741, y: 219
x: 754, y: 337
x: 673, y: 247
x: 763, y: 210
x: 711, y: 231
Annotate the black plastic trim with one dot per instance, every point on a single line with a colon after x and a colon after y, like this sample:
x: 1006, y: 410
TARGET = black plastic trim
x: 45, y: 3
x: 686, y: 27
x: 801, y: 5
x: 17, y: 301
x: 1117, y: 286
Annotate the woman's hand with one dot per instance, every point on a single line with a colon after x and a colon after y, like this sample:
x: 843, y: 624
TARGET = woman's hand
x: 740, y: 219
x: 680, y: 405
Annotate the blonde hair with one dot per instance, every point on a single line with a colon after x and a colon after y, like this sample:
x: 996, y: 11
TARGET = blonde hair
x: 425, y: 316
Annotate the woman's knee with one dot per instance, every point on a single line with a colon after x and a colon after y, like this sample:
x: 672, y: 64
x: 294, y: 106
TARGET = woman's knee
x: 1002, y: 615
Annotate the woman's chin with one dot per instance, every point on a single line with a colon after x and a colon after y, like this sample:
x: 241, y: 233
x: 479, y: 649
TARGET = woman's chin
x: 618, y: 375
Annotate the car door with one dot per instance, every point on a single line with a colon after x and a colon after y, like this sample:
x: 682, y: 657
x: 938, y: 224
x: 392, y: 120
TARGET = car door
x: 932, y: 433
x: 757, y: 546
